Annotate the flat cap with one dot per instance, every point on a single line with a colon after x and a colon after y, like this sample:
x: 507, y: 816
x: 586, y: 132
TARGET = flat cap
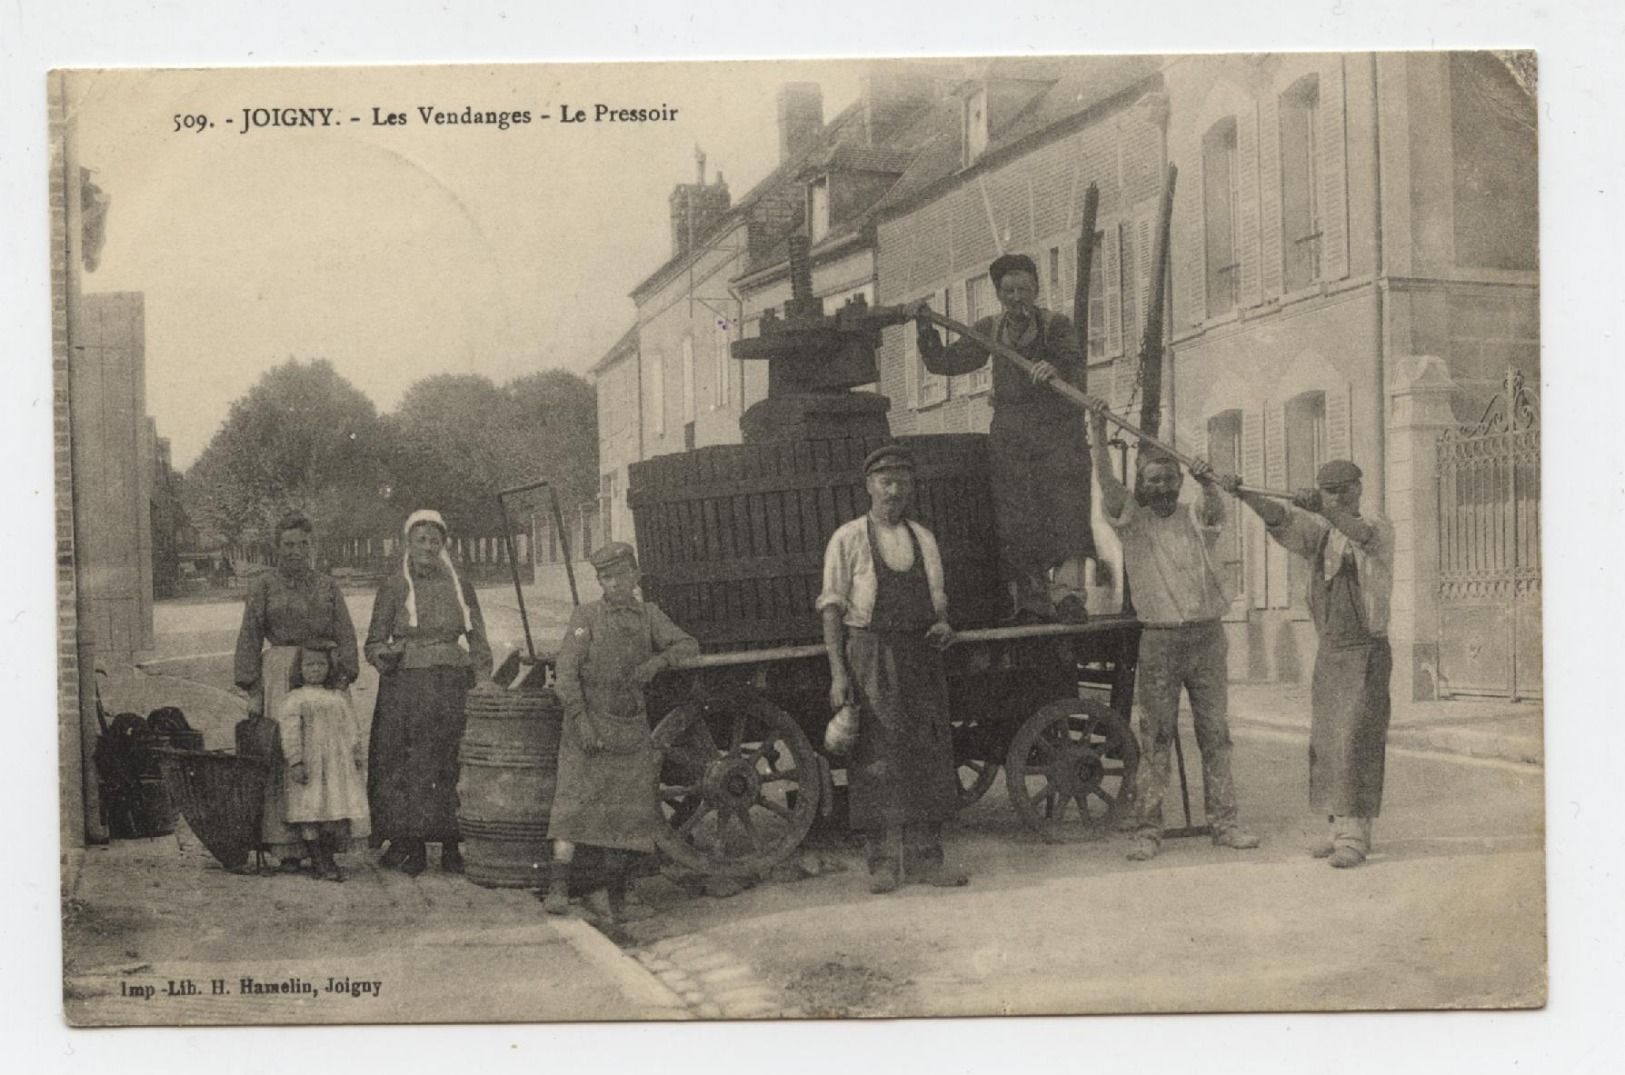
x: 1337, y: 472
x: 613, y: 553
x: 889, y: 457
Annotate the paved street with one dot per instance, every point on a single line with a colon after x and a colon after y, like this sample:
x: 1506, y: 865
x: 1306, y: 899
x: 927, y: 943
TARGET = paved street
x: 1448, y: 912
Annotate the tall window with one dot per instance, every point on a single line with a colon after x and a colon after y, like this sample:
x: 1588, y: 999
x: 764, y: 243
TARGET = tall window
x: 1305, y: 452
x: 657, y: 395
x: 1221, y: 213
x: 606, y: 505
x: 1224, y: 452
x: 688, y: 378
x: 929, y: 388
x: 979, y: 303
x: 818, y: 208
x: 1300, y: 182
x: 1097, y: 299
x: 723, y: 372
x: 975, y: 125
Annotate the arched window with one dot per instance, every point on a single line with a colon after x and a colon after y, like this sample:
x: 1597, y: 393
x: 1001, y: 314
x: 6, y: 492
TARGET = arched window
x: 1224, y: 453
x: 1300, y: 182
x: 1221, y: 214
x: 1305, y: 452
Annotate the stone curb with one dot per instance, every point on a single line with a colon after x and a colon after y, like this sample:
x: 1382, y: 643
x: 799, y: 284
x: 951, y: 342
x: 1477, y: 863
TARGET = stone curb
x: 1462, y: 741
x: 657, y: 997
x: 712, y: 983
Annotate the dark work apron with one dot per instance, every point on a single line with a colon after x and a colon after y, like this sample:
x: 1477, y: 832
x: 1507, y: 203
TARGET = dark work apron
x: 1349, y: 731
x: 902, y: 771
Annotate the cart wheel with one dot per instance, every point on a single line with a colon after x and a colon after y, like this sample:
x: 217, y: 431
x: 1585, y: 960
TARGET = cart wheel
x: 739, y: 785
x: 1070, y: 770
x: 975, y: 758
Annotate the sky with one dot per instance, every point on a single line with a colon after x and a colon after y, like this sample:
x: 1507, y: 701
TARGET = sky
x: 398, y: 252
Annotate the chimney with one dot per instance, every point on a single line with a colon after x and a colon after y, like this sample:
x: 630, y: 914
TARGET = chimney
x: 696, y: 207
x: 894, y: 92
x: 801, y: 117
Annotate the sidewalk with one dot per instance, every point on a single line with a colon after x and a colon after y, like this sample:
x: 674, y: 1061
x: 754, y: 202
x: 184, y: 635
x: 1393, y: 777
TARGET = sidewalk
x: 147, y: 917
x: 1480, y: 728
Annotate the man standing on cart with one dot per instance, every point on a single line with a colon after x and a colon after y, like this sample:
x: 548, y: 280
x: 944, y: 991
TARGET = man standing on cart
x: 1040, y: 459
x: 1351, y: 563
x: 885, y: 616
x: 1177, y: 592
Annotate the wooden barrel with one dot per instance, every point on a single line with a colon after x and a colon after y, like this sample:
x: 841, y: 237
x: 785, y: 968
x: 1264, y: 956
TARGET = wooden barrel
x: 731, y: 537
x: 510, y: 761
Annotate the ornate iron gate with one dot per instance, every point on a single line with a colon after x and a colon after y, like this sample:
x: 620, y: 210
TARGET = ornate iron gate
x: 1489, y: 550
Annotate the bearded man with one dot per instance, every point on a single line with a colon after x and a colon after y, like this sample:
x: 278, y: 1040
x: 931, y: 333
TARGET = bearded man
x: 1179, y: 595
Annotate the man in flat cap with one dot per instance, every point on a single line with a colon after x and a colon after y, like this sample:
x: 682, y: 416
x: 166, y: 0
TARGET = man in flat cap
x: 1351, y: 577
x: 885, y: 616
x: 1039, y: 456
x: 1179, y: 595
x: 607, y: 757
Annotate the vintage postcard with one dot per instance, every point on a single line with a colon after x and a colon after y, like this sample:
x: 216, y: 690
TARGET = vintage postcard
x: 1041, y: 535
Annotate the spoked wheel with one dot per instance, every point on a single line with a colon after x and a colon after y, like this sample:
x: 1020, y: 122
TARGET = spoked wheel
x: 739, y: 785
x: 976, y: 759
x: 1070, y: 770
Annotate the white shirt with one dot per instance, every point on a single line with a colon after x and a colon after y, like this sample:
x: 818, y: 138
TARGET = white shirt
x: 1374, y: 561
x: 1169, y: 561
x: 850, y: 583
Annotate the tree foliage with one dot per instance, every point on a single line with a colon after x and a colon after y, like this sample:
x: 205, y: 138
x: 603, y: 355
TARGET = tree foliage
x: 303, y: 438
x: 461, y: 438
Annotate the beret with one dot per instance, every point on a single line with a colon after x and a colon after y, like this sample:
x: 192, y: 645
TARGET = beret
x: 1337, y: 472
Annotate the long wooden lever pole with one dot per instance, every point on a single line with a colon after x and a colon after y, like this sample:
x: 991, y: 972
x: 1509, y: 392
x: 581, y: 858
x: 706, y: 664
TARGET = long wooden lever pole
x: 1073, y: 395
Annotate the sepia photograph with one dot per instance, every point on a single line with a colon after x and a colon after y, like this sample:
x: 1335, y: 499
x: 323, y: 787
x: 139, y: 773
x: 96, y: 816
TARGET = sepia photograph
x: 799, y: 540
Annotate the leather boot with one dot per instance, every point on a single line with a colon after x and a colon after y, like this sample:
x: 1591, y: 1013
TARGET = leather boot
x: 417, y: 858
x: 557, y: 898
x: 327, y: 865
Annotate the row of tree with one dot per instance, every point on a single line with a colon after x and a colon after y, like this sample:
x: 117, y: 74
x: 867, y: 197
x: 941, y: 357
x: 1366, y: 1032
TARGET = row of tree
x: 304, y: 438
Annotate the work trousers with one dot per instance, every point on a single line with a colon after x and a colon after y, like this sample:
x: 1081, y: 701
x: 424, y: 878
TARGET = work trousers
x: 915, y: 848
x: 1191, y: 658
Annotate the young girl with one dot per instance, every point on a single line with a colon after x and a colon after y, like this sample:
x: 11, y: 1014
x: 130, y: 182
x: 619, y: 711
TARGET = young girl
x: 325, y: 780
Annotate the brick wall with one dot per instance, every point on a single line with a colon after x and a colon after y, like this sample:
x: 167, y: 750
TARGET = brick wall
x: 71, y: 756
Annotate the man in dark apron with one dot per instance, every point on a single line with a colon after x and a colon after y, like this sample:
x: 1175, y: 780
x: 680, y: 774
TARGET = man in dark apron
x: 1039, y: 456
x: 885, y: 617
x: 1351, y: 560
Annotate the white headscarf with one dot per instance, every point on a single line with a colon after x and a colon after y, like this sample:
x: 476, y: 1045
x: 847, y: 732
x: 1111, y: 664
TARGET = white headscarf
x: 427, y: 515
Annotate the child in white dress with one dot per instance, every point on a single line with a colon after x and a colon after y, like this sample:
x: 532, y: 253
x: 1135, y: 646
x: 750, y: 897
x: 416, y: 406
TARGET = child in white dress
x: 326, y: 774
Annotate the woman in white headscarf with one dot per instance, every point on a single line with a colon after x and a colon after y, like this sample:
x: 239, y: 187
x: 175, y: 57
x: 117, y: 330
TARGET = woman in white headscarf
x: 427, y: 640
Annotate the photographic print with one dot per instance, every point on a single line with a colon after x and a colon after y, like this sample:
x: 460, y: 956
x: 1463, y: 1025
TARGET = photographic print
x: 838, y: 539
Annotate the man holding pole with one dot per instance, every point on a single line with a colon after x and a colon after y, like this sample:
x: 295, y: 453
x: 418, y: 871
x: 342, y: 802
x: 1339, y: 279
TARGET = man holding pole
x: 1351, y: 559
x: 1040, y: 459
x: 1168, y: 557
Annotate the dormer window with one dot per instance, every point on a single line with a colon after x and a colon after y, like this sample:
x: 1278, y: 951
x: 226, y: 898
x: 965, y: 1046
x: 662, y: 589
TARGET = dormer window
x: 818, y: 208
x: 975, y: 125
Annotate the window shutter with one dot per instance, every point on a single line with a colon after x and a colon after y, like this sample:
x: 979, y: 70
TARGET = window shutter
x: 1187, y: 255
x: 913, y: 369
x: 1252, y: 472
x: 1340, y: 421
x: 1113, y: 276
x: 1247, y: 176
x: 1333, y: 150
x: 1269, y: 168
x: 1277, y: 565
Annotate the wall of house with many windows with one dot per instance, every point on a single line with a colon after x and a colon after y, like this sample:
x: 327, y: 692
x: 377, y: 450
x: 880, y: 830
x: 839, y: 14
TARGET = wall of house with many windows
x: 1032, y: 204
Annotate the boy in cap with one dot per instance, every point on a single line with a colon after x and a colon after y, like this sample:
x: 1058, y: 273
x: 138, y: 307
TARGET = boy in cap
x: 1351, y: 577
x: 1179, y: 595
x: 1039, y: 456
x: 607, y: 757
x: 885, y: 615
